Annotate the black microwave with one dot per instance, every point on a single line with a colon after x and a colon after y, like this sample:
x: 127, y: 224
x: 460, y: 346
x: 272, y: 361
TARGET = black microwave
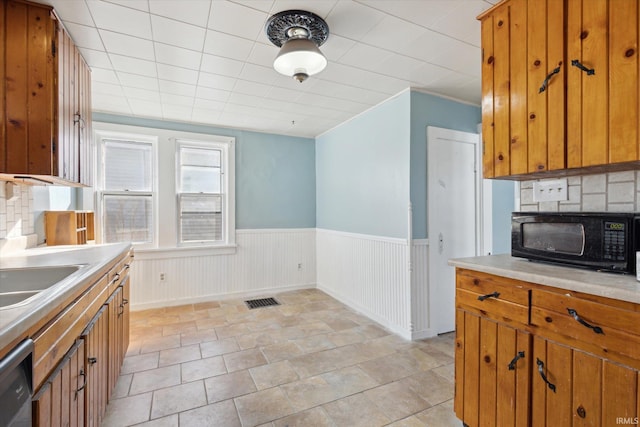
x: 604, y: 241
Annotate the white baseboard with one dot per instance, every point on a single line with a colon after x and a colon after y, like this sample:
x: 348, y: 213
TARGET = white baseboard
x: 422, y: 335
x: 266, y: 292
x: 370, y: 314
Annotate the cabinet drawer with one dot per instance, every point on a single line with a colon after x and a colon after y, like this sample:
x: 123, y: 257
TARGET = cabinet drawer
x: 485, y: 284
x: 498, y: 309
x: 501, y: 299
x: 612, y: 329
x: 51, y: 342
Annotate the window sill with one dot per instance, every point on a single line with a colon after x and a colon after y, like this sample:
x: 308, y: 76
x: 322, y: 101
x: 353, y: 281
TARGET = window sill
x: 185, y: 252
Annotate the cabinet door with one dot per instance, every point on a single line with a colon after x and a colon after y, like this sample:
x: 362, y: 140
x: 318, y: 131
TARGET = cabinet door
x: 125, y: 317
x: 114, y: 309
x: 546, y: 89
x: 97, y: 367
x: 574, y: 388
x: 551, y: 394
x: 66, y: 152
x: 29, y: 93
x: 522, y: 125
x: 60, y: 401
x: 492, y: 372
x: 500, y: 65
x: 84, y: 121
x: 602, y: 104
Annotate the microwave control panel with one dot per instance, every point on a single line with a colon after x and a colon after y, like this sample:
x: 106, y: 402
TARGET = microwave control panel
x: 614, y: 241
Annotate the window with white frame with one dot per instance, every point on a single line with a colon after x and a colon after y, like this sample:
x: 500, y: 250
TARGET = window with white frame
x: 202, y: 192
x: 127, y: 188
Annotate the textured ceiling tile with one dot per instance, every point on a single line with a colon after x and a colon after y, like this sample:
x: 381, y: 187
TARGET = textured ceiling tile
x: 210, y: 61
x: 194, y: 12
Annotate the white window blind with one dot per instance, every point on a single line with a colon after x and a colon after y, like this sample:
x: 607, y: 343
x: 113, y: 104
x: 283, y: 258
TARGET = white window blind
x: 200, y: 193
x: 127, y: 191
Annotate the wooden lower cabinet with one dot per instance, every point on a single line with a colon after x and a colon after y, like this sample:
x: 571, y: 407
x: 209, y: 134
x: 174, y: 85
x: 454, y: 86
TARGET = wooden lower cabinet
x: 61, y: 400
x: 492, y: 371
x: 92, y: 327
x: 580, y: 389
x: 543, y: 372
x: 118, y: 312
x: 125, y: 318
x: 96, y: 338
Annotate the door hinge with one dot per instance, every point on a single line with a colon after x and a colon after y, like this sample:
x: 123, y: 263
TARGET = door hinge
x: 53, y: 48
x: 53, y: 146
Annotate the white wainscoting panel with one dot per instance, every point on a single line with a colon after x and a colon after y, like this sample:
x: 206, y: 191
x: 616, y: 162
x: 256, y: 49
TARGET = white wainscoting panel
x: 420, y: 290
x: 266, y: 261
x: 369, y: 274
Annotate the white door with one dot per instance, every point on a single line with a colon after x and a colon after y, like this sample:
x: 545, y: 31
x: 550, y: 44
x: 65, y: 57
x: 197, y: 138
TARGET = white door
x: 453, y: 216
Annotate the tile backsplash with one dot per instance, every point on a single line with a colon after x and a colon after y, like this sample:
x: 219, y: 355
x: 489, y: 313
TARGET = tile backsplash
x: 607, y: 192
x: 16, y: 212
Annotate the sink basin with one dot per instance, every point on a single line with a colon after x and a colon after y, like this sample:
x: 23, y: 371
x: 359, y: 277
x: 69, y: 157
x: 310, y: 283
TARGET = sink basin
x: 19, y: 284
x: 15, y: 298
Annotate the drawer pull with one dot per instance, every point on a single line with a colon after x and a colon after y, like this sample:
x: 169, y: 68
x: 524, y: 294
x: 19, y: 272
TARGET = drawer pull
x: 491, y: 295
x: 92, y: 360
x: 574, y: 314
x: 540, y: 364
x: 512, y: 364
x: 84, y: 383
x: 545, y: 83
x: 116, y: 278
x: 125, y: 301
x: 589, y: 71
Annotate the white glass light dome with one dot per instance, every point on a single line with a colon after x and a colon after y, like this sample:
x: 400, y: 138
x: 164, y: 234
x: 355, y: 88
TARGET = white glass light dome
x: 300, y: 58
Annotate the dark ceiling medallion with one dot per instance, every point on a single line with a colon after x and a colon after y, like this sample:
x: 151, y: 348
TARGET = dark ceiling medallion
x: 278, y: 25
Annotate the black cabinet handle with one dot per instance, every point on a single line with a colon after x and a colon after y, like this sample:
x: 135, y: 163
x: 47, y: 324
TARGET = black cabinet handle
x: 574, y: 314
x: 491, y: 295
x: 92, y: 360
x: 116, y: 278
x: 125, y: 301
x: 84, y: 383
x: 589, y: 71
x: 512, y: 364
x: 545, y: 83
x: 540, y: 363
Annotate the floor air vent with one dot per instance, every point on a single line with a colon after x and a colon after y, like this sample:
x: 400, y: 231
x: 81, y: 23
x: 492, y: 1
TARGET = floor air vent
x: 263, y: 302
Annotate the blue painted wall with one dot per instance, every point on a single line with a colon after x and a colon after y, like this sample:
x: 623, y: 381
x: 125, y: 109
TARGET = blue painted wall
x: 502, y: 205
x: 275, y: 174
x: 430, y: 110
x: 362, y: 172
x: 356, y: 178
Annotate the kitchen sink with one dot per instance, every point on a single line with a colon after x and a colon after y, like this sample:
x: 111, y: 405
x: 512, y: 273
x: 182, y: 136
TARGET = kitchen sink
x: 14, y: 298
x: 19, y: 284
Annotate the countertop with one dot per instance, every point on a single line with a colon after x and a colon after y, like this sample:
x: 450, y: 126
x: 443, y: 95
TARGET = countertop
x: 15, y: 321
x: 623, y: 287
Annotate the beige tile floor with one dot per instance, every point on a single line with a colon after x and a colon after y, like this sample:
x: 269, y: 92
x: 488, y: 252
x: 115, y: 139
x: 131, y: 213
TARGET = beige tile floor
x: 310, y: 361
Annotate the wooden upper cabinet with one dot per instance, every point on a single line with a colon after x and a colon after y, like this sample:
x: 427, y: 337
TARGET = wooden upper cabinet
x: 602, y: 108
x: 543, y: 111
x: 522, y: 125
x: 46, y: 120
x: 29, y: 84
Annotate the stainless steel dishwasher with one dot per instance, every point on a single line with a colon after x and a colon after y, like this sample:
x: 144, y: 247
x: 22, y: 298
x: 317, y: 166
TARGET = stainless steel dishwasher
x: 16, y: 386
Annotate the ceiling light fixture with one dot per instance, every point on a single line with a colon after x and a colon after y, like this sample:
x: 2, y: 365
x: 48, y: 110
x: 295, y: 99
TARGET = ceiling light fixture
x: 298, y: 34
